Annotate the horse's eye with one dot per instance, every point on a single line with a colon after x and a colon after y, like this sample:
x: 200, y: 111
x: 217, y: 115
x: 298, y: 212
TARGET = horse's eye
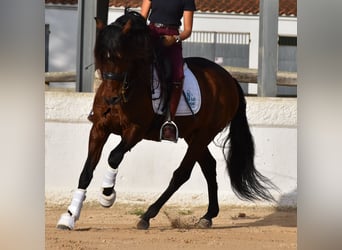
x: 119, y: 55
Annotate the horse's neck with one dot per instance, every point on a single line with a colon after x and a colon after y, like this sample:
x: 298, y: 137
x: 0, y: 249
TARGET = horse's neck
x: 142, y: 78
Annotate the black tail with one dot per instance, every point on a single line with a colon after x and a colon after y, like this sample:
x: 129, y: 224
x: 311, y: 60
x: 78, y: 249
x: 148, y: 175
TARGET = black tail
x: 247, y: 183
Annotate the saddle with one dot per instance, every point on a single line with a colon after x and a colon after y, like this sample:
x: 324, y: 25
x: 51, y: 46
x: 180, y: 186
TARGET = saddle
x: 190, y: 102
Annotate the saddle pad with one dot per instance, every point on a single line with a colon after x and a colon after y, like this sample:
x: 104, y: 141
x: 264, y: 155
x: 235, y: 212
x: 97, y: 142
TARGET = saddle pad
x: 190, y: 88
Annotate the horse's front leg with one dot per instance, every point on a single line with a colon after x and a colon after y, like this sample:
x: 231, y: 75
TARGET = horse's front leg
x: 97, y: 139
x: 108, y: 195
x: 130, y: 137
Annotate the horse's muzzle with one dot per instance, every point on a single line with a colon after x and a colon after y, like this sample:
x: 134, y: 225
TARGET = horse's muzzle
x: 112, y: 100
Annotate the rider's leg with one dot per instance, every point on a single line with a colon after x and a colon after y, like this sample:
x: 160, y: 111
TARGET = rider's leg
x: 169, y: 129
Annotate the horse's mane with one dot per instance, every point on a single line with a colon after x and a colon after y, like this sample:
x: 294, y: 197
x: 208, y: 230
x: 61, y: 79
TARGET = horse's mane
x: 127, y: 37
x: 138, y: 21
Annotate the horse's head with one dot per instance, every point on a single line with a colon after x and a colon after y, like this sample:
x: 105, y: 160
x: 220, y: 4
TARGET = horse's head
x: 123, y: 44
x: 122, y: 52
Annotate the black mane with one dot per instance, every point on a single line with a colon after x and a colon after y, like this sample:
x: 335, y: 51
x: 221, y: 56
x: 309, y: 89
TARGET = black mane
x: 138, y: 21
x: 132, y: 43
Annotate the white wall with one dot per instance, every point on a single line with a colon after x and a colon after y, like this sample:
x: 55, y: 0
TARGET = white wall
x: 63, y: 37
x: 146, y: 170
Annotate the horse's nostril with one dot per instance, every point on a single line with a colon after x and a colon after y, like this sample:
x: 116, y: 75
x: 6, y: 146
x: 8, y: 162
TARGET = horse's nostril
x: 106, y: 112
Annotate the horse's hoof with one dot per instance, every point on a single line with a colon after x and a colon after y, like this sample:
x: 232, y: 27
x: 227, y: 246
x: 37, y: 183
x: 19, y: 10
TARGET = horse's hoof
x: 143, y: 224
x: 204, y: 223
x: 107, y: 201
x: 66, y: 222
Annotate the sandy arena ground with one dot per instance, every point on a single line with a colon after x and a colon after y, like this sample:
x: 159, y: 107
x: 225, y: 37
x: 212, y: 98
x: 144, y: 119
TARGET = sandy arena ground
x: 249, y: 228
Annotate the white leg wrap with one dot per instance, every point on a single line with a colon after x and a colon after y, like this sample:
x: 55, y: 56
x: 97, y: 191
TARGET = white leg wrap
x: 107, y: 201
x: 108, y: 182
x: 66, y: 220
x: 77, y: 202
x: 109, y: 177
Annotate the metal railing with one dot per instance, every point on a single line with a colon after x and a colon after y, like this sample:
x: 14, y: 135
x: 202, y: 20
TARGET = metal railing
x: 219, y: 37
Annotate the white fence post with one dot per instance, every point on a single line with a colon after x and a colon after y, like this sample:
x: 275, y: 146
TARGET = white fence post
x: 268, y: 48
x: 85, y: 45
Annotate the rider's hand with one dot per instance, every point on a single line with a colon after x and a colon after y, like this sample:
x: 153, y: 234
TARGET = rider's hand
x: 168, y: 40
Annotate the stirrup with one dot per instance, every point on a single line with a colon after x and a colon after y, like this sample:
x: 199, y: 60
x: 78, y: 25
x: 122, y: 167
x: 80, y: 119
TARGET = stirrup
x: 171, y: 125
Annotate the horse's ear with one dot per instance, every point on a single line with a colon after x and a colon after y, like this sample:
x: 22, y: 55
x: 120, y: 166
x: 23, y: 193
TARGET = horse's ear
x: 100, y: 25
x: 127, y: 10
x: 127, y: 27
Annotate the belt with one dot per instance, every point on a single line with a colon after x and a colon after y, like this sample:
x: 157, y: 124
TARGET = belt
x: 165, y: 26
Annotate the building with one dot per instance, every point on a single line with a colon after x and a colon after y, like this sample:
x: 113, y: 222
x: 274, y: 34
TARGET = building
x: 225, y: 31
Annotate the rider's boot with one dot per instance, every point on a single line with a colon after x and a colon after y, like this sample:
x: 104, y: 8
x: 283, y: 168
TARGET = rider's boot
x: 169, y: 130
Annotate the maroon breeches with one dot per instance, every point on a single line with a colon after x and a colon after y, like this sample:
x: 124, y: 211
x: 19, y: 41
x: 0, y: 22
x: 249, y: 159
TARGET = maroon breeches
x: 173, y: 52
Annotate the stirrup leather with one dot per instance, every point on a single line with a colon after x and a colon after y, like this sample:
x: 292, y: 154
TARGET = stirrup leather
x: 172, y: 124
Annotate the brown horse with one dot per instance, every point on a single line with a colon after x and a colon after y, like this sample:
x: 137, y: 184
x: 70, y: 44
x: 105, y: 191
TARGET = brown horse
x: 123, y: 106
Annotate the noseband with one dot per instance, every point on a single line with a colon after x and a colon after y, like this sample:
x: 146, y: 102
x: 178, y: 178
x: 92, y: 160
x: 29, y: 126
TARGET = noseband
x: 120, y: 77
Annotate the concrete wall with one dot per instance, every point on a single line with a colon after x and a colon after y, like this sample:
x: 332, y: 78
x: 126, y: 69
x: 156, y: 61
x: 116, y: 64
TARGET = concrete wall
x: 146, y: 170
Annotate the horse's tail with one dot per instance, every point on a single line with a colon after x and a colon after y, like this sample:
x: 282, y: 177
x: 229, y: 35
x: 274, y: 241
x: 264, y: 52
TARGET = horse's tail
x: 247, y: 183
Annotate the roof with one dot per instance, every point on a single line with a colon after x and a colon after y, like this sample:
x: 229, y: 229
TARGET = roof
x: 251, y: 7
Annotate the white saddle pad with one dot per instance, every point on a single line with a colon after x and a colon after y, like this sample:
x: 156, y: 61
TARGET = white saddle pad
x: 191, y: 90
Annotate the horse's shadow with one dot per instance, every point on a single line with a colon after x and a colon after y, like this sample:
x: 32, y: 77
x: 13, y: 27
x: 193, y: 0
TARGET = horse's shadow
x: 280, y: 217
x: 284, y: 215
x: 83, y: 229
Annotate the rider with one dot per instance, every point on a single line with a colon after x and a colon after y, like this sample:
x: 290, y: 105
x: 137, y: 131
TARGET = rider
x: 165, y: 21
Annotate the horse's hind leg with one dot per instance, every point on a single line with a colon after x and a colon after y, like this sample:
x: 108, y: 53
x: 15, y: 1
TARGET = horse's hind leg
x: 180, y: 176
x: 97, y: 139
x: 208, y: 167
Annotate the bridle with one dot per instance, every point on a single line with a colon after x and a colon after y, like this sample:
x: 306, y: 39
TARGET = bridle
x: 120, y: 77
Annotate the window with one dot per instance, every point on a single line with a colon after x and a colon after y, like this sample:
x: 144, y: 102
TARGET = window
x: 287, y: 54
